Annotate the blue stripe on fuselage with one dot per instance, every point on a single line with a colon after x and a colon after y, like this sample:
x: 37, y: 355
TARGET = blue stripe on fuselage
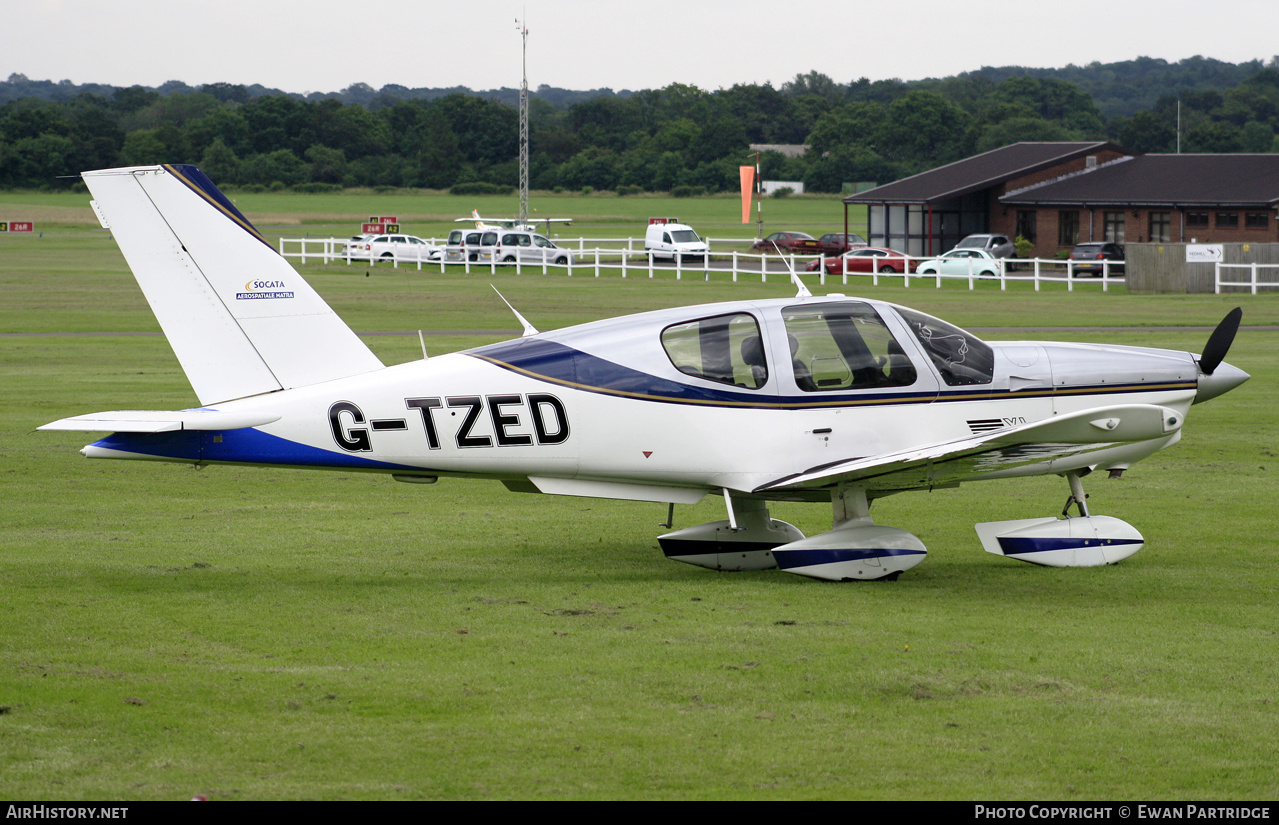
x: 559, y: 364
x: 566, y: 366
x: 246, y: 446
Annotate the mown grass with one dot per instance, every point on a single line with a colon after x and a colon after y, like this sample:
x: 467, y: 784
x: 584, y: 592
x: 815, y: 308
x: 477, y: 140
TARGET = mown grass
x: 432, y: 214
x: 252, y: 633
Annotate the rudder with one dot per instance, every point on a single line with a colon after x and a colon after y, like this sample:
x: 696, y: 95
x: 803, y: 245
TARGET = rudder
x: 240, y: 319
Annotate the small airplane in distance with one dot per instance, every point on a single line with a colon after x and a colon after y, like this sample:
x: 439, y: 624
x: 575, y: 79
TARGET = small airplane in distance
x: 511, y: 223
x: 813, y: 398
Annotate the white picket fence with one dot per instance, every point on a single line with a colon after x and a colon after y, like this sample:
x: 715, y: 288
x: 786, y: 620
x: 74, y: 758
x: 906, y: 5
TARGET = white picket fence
x: 1252, y: 284
x: 625, y: 259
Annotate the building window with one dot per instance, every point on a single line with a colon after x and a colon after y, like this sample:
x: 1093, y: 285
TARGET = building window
x: 1227, y: 219
x: 1160, y: 227
x: 1067, y: 228
x: 1256, y: 220
x: 1196, y: 219
x: 1114, y: 227
x: 1026, y: 224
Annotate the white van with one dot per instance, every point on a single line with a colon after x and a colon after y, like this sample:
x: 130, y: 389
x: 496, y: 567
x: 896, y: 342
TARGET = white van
x: 504, y: 246
x: 529, y: 248
x: 470, y: 245
x: 668, y: 238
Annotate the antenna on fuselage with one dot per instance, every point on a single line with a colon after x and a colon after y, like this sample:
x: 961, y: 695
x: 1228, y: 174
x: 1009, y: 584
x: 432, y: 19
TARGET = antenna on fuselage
x: 529, y: 329
x: 794, y: 276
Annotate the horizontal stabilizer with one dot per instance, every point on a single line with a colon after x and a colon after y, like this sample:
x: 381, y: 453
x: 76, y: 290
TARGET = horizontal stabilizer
x: 160, y: 421
x: 240, y: 319
x: 955, y: 461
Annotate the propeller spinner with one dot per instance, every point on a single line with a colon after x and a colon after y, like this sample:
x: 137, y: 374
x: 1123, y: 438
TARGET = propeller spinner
x: 1218, y: 377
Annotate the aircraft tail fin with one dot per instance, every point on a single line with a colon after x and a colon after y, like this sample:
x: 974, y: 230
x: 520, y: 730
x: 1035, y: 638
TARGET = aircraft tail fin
x: 240, y: 319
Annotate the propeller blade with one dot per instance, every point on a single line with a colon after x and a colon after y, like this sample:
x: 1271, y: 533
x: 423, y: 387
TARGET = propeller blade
x: 1219, y: 342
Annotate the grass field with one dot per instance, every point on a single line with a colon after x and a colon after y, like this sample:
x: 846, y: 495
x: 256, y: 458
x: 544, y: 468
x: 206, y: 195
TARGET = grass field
x: 431, y: 214
x: 266, y: 634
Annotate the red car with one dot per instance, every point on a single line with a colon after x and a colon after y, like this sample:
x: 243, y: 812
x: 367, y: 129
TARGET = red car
x: 866, y: 260
x: 798, y: 243
x: 837, y: 243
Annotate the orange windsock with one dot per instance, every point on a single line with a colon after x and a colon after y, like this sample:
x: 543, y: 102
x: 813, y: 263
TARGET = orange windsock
x: 748, y: 184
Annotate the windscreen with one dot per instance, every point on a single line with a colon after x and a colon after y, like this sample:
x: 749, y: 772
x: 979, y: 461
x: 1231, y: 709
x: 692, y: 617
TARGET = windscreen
x: 960, y: 357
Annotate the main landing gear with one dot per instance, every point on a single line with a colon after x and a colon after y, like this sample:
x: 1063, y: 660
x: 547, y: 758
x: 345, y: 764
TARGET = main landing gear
x: 857, y: 549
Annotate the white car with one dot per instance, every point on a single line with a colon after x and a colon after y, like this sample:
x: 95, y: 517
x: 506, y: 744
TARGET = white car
x: 357, y: 247
x: 977, y: 262
x: 401, y: 248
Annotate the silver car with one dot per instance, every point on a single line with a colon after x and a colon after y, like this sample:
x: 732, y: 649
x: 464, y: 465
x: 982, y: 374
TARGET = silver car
x: 997, y: 245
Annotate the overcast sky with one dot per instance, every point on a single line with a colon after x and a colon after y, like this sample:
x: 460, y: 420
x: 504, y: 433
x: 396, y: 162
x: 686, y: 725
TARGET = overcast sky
x: 323, y: 45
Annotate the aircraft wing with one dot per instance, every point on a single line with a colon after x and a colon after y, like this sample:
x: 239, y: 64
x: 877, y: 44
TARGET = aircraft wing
x: 951, y: 462
x: 159, y: 421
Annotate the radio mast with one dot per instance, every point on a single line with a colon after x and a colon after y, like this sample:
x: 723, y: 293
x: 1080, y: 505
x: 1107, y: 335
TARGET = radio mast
x: 524, y: 127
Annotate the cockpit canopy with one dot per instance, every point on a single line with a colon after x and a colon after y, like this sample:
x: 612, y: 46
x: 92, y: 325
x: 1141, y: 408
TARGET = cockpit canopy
x: 833, y: 347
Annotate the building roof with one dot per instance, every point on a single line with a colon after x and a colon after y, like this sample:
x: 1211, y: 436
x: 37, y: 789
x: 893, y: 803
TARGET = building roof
x: 979, y: 172
x: 1165, y: 180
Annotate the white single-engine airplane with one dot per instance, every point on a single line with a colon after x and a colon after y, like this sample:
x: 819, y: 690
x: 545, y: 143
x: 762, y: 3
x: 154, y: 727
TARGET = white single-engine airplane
x: 511, y: 223
x: 805, y: 399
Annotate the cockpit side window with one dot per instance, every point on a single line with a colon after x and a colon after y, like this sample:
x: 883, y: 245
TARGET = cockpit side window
x: 961, y: 358
x: 725, y: 348
x: 844, y: 346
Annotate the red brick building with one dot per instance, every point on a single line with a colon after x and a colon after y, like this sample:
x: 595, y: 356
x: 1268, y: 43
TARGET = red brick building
x: 1060, y: 194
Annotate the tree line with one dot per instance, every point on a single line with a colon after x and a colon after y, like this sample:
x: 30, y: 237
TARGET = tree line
x: 679, y: 138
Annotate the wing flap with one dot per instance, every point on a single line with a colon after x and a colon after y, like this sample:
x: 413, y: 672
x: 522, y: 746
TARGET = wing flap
x: 953, y: 461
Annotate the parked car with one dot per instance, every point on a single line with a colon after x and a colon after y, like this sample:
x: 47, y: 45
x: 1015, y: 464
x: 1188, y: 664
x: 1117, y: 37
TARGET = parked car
x: 997, y: 245
x: 1088, y: 258
x: 667, y: 238
x: 837, y: 243
x: 504, y: 246
x: 957, y: 261
x: 470, y: 244
x: 867, y: 259
x: 358, y: 247
x: 393, y: 247
x: 529, y: 248
x: 799, y: 243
